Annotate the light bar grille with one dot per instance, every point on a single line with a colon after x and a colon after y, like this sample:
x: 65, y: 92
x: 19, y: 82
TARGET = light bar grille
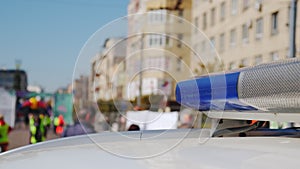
x: 271, y: 86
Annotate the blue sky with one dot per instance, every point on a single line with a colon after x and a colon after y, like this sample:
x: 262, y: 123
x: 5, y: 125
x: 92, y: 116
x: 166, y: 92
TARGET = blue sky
x: 47, y: 35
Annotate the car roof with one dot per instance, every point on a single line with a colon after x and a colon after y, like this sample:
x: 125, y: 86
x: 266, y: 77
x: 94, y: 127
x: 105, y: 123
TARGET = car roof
x: 156, y: 149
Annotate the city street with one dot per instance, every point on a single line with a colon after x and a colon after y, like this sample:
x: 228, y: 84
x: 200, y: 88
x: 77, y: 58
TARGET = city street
x: 19, y: 136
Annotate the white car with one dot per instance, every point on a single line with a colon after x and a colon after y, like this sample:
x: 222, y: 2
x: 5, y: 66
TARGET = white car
x: 260, y: 93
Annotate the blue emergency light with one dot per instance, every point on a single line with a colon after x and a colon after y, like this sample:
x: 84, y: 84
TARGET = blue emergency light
x: 270, y: 86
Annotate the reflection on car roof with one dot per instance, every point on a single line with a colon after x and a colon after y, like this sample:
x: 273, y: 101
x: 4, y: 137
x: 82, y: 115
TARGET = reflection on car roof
x: 156, y: 149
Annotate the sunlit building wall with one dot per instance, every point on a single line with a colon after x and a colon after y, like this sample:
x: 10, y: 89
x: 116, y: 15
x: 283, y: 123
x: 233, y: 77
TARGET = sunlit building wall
x: 243, y: 32
x: 158, y: 45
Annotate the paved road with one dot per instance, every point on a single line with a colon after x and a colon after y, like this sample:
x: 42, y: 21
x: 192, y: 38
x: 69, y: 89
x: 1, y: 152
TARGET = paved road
x: 20, y: 136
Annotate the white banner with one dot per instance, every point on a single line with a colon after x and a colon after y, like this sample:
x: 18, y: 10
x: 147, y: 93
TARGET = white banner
x: 8, y: 106
x: 148, y: 120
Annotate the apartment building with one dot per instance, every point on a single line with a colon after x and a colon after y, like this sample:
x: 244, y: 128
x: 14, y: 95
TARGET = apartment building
x: 158, y: 45
x: 241, y: 32
x: 108, y: 71
x: 80, y: 92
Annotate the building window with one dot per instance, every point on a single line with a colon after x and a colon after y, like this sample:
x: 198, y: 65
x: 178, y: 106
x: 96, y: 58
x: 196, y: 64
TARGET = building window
x: 274, y: 23
x: 287, y: 53
x: 157, y: 40
x: 204, y: 24
x: 179, y: 64
x: 203, y: 46
x: 222, y: 11
x: 180, y: 13
x: 222, y: 42
x: 233, y: 37
x: 289, y: 15
x: 234, y: 7
x: 258, y: 60
x: 212, y: 44
x: 232, y: 66
x: 157, y: 16
x: 168, y: 43
x: 244, y: 63
x: 196, y: 24
x: 213, y: 16
x: 245, y: 33
x: 258, y: 5
x: 180, y: 38
x: 161, y: 40
x: 150, y: 40
x: 274, y: 56
x: 246, y: 4
x: 259, y: 28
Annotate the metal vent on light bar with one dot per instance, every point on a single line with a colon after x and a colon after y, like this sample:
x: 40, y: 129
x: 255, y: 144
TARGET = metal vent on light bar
x: 274, y: 86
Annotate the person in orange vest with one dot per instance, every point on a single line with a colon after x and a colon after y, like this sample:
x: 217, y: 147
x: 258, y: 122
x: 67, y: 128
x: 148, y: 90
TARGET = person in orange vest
x: 4, y: 131
x: 59, y: 124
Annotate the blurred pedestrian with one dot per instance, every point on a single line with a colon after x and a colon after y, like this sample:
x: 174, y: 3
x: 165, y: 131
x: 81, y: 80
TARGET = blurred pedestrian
x: 37, y: 128
x: 81, y: 125
x: 133, y: 127
x: 59, y: 124
x: 4, y: 131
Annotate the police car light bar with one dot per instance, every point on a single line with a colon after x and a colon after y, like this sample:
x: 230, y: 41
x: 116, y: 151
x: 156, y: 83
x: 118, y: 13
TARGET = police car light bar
x: 272, y: 87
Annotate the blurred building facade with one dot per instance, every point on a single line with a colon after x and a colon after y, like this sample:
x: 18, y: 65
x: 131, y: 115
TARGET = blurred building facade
x: 107, y: 79
x: 80, y: 92
x: 242, y: 32
x: 157, y: 40
x: 13, y: 79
